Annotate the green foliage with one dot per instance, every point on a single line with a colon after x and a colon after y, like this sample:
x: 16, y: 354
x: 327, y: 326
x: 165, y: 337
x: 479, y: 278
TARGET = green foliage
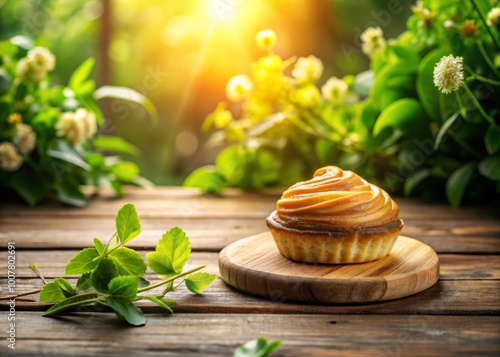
x: 257, y: 348
x: 391, y: 123
x: 112, y: 274
x: 50, y: 145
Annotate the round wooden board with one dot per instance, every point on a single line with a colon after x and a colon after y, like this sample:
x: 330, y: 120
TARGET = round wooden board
x: 255, y: 266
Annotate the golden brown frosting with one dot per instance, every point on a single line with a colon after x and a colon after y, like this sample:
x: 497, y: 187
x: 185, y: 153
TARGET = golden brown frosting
x: 335, y: 200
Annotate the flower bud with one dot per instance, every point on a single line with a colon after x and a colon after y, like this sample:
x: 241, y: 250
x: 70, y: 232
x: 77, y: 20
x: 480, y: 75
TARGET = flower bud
x: 238, y: 87
x: 266, y: 40
x: 25, y: 139
x: 334, y: 90
x: 10, y: 160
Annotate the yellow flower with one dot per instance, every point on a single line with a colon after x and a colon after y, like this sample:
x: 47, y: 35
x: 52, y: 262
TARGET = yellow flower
x: 266, y: 40
x: 10, y: 160
x: 426, y: 15
x: 238, y: 87
x: 334, y: 90
x: 307, y: 96
x: 77, y: 126
x: 448, y: 73
x: 15, y: 119
x: 372, y: 40
x: 493, y: 17
x: 307, y: 69
x: 24, y: 139
x: 469, y: 29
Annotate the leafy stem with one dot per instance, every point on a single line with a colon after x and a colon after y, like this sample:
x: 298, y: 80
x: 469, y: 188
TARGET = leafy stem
x: 485, y: 23
x: 478, y: 105
x: 166, y: 281
x: 487, y: 58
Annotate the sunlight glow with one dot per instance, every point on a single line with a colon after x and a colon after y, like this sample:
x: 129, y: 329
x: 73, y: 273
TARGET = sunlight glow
x: 222, y: 10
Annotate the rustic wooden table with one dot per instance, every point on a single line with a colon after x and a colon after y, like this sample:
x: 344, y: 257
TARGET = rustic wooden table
x: 457, y: 316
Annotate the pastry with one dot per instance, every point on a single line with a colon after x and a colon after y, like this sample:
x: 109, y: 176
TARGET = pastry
x: 336, y: 217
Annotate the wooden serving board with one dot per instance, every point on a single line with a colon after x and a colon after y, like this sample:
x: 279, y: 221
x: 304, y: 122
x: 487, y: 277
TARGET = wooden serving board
x: 254, y: 265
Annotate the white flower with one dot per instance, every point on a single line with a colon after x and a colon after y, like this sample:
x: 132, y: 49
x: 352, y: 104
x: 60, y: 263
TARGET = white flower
x: 10, y: 160
x: 448, y: 73
x: 238, y: 87
x: 334, y: 90
x: 76, y: 127
x: 493, y: 17
x: 42, y: 58
x: 27, y: 71
x: 372, y: 40
x: 35, y: 66
x: 24, y: 139
x: 307, y: 69
x: 266, y: 40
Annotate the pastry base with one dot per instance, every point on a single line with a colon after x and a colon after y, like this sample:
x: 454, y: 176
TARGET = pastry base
x: 335, y: 247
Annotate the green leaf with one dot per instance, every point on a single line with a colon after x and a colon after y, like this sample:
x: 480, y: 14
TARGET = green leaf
x: 52, y: 292
x: 127, y: 311
x: 457, y: 183
x: 128, y: 225
x: 114, y: 144
x: 171, y: 253
x: 76, y: 300
x: 129, y: 95
x: 99, y: 246
x: 197, y: 282
x: 31, y: 188
x: 125, y: 171
x: 492, y: 139
x: 127, y: 261
x: 24, y: 42
x: 490, y: 167
x: 415, y: 179
x: 406, y: 115
x: 444, y: 128
x: 159, y: 302
x: 62, y: 150
x: 428, y: 93
x: 393, y: 82
x: 124, y: 287
x: 84, y: 284
x: 231, y: 164
x: 66, y: 287
x: 257, y: 348
x: 68, y: 191
x: 103, y: 274
x: 364, y: 82
x: 80, y: 76
x: 207, y: 179
x: 83, y: 262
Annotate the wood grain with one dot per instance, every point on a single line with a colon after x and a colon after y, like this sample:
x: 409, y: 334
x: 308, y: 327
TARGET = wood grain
x: 254, y: 265
x: 98, y: 334
x: 454, y: 297
x: 452, y: 266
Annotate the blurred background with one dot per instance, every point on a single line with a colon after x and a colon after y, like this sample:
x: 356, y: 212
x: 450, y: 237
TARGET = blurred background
x: 180, y: 54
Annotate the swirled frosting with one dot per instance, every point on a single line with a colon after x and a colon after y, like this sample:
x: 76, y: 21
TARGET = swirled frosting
x: 335, y: 200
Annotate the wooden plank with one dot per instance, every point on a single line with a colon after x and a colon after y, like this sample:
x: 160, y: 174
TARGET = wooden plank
x: 78, y: 232
x: 463, y: 236
x: 454, y: 297
x: 219, y: 334
x: 177, y: 202
x: 52, y: 263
